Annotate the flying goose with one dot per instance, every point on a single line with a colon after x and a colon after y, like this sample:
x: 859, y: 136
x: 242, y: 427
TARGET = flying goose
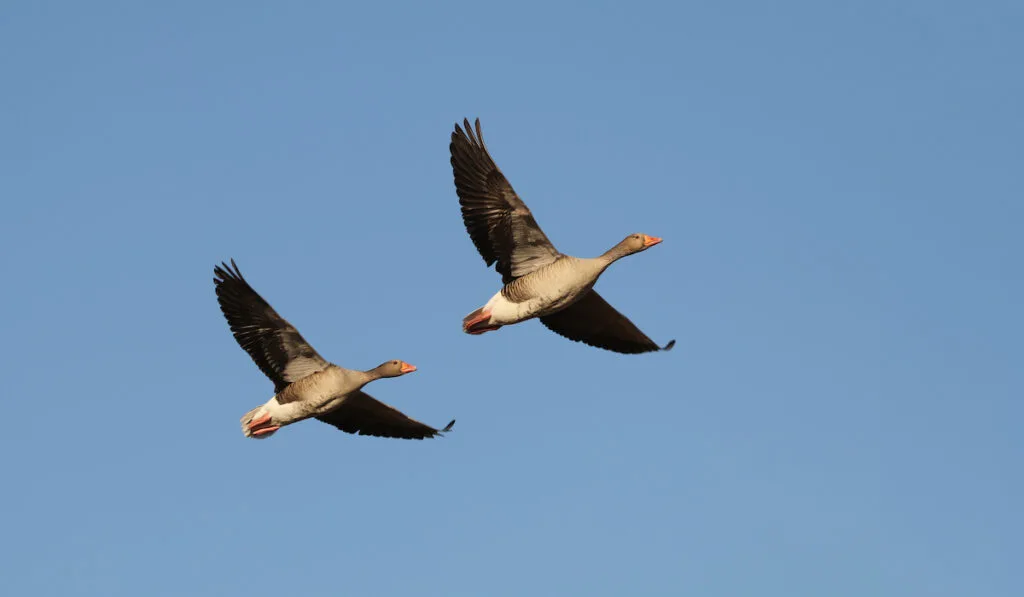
x: 306, y: 385
x: 538, y: 280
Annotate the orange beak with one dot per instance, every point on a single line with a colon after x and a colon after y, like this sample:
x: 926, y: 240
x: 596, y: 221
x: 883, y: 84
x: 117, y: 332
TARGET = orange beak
x: 407, y: 368
x: 650, y: 241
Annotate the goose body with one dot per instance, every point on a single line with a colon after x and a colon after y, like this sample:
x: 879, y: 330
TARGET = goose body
x: 539, y: 281
x: 305, y: 384
x: 545, y: 291
x: 315, y: 395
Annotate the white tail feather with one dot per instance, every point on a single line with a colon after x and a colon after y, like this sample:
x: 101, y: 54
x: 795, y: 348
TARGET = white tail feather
x: 249, y: 416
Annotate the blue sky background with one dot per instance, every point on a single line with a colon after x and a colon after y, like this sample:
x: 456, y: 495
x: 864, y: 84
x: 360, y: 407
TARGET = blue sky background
x: 841, y: 192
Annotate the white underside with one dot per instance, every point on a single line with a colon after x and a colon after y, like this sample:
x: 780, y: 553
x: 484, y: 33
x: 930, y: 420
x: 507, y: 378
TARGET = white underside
x: 505, y: 312
x: 284, y: 414
x: 554, y: 287
x: 280, y: 414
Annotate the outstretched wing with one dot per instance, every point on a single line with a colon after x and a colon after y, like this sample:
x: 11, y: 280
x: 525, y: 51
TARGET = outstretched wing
x: 361, y: 414
x: 275, y: 346
x: 593, y: 321
x: 500, y: 224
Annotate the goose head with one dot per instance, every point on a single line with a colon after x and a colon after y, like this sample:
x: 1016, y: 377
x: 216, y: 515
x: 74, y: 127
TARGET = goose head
x: 634, y: 243
x: 394, y: 368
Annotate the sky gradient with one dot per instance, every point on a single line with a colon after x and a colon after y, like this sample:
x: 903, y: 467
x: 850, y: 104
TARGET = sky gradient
x: 841, y: 193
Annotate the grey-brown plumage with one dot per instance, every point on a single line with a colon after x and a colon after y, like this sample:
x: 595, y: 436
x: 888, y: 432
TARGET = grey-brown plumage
x: 277, y: 348
x: 539, y: 281
x: 305, y: 384
x: 361, y: 414
x: 500, y: 224
x: 593, y: 321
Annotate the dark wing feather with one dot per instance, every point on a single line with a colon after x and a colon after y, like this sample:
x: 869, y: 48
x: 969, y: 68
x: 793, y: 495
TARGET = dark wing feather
x: 361, y: 414
x: 593, y: 321
x: 275, y: 346
x: 500, y: 224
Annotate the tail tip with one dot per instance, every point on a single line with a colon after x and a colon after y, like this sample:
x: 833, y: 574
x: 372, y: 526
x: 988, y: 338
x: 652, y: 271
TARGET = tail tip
x: 248, y: 418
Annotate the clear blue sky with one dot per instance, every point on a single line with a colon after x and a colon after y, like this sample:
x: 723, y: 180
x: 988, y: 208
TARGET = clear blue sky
x: 841, y: 190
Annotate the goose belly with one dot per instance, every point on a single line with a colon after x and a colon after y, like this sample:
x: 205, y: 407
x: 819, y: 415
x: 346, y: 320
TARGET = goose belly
x: 505, y: 312
x: 554, y: 297
x: 318, y: 393
x: 562, y: 284
x: 288, y: 412
x: 560, y: 301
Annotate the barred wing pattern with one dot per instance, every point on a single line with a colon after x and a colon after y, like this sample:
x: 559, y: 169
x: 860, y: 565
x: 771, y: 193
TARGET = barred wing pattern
x: 593, y: 321
x: 277, y: 348
x: 500, y: 224
x: 361, y: 414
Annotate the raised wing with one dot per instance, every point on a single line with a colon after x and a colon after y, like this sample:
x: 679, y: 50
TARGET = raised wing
x: 593, y: 321
x: 275, y: 346
x: 361, y: 414
x: 500, y: 224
